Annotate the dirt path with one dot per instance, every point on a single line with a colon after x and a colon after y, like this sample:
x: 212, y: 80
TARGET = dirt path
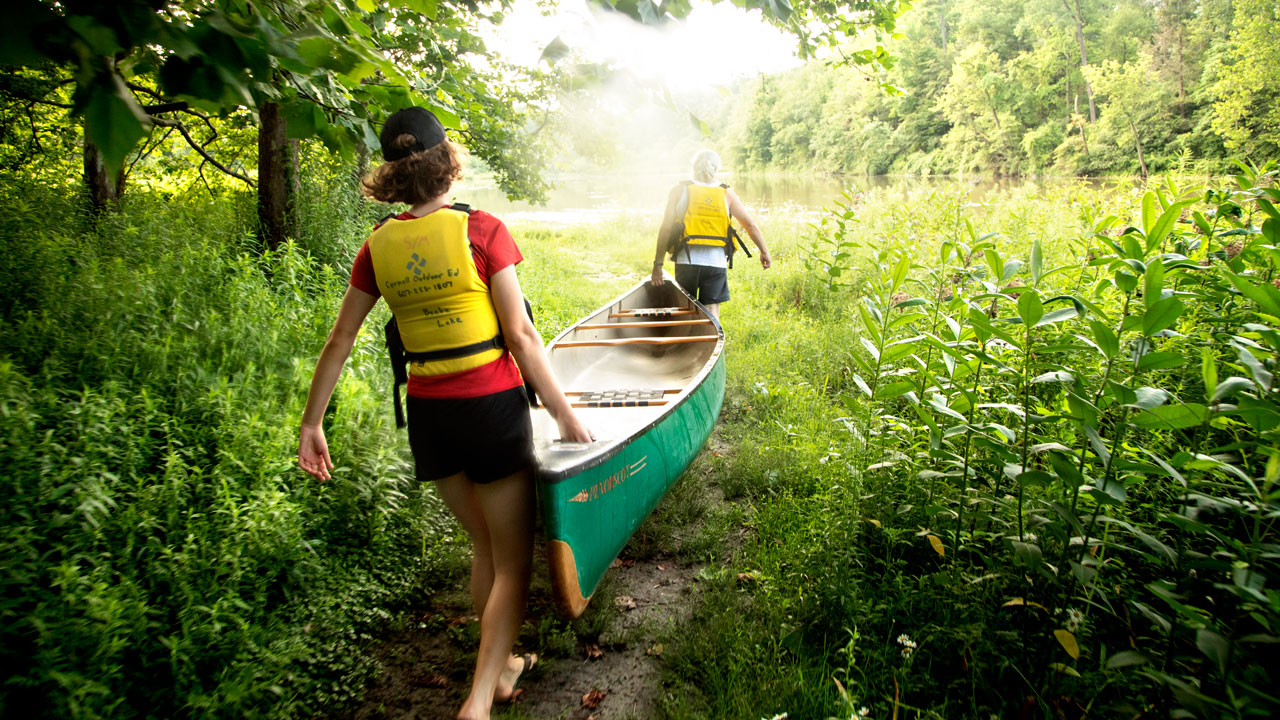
x: 607, y: 670
x: 606, y: 664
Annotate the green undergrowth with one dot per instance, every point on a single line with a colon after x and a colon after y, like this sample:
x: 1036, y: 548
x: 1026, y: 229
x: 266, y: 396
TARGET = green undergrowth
x: 162, y: 555
x: 1012, y: 456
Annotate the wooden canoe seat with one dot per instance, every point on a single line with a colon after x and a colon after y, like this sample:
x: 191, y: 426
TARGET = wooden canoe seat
x: 636, y: 341
x: 654, y: 312
x: 651, y: 323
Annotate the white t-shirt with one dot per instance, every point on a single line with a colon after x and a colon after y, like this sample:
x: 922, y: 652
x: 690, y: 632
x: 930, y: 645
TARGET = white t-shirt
x: 708, y: 255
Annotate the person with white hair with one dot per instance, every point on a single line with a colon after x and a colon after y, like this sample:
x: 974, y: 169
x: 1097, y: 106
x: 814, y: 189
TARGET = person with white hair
x: 696, y: 231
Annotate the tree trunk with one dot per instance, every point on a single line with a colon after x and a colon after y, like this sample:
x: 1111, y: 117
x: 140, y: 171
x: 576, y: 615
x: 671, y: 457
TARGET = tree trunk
x: 1182, y: 93
x: 1078, y: 20
x: 277, y: 170
x: 1083, y: 139
x: 1138, y: 143
x: 942, y: 22
x: 104, y: 189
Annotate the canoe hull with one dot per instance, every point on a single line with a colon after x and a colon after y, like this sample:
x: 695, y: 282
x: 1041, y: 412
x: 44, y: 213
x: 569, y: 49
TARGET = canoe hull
x: 588, y: 518
x: 593, y: 498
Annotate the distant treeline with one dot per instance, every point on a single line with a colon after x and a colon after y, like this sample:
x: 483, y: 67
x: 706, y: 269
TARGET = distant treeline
x: 1042, y: 86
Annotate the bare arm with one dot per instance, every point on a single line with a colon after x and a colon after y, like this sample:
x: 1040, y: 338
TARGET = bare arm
x: 739, y: 212
x: 669, y: 221
x: 526, y: 345
x: 313, y: 449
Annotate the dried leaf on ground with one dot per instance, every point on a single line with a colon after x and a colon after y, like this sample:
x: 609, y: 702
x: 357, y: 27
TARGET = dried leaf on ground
x: 624, y: 602
x: 592, y: 651
x: 592, y: 700
x: 654, y: 649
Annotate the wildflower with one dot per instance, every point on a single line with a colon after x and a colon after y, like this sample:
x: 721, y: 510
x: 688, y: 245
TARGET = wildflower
x: 1234, y: 249
x: 1075, y: 619
x: 906, y: 653
x: 898, y: 298
x: 906, y: 641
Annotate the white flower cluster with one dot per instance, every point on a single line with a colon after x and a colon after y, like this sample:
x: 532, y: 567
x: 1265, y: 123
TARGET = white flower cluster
x: 908, y: 645
x: 1075, y: 619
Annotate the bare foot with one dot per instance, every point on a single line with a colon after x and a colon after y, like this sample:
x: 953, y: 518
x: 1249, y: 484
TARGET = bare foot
x: 506, y: 691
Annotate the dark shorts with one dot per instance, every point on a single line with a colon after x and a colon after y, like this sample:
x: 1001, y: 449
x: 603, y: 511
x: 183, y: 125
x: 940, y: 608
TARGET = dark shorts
x: 706, y: 284
x: 488, y: 437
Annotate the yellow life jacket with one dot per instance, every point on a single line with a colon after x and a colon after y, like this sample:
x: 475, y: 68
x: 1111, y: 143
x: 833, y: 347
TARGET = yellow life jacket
x: 706, y: 217
x: 442, y: 307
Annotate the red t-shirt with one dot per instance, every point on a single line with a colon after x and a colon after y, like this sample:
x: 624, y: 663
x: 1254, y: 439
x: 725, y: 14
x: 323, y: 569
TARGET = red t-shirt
x: 493, y: 249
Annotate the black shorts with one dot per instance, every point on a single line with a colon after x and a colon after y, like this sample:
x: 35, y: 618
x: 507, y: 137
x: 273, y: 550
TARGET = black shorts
x: 487, y: 437
x: 707, y: 285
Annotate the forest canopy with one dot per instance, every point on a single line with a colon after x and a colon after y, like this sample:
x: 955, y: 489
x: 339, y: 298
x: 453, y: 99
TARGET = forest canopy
x: 1049, y: 86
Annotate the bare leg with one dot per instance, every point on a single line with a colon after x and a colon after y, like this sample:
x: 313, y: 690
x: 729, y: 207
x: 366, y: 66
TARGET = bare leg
x: 459, y: 494
x: 713, y: 309
x: 507, y: 507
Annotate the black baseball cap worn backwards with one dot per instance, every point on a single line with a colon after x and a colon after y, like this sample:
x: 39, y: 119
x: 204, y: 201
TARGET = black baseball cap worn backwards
x: 415, y: 121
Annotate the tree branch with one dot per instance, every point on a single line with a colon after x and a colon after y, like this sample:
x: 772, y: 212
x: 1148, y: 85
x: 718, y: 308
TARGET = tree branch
x: 200, y: 149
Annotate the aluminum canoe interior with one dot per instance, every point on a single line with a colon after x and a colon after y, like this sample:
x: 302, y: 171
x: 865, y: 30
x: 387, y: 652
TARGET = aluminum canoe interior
x: 624, y: 367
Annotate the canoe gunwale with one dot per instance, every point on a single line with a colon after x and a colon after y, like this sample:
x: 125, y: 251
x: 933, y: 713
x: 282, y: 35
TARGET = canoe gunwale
x: 547, y: 476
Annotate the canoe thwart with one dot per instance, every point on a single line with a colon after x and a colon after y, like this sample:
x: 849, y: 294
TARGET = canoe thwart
x: 654, y: 312
x: 651, y: 323
x: 637, y: 341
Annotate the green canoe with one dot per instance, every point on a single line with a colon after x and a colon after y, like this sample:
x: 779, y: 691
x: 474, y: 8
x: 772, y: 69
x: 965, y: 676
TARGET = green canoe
x: 646, y: 373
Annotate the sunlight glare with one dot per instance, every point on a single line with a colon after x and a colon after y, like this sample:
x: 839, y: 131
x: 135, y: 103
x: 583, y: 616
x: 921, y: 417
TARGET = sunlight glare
x: 714, y: 46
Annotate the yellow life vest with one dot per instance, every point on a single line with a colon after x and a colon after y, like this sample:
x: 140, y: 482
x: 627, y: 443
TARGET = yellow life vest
x: 706, y: 218
x: 442, y: 307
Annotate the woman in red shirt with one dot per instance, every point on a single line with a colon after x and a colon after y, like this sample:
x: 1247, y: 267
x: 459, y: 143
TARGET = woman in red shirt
x: 449, y: 276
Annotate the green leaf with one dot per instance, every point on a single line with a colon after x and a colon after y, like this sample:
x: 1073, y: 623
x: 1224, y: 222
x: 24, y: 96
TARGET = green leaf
x: 1153, y: 282
x: 1172, y: 417
x: 1037, y: 262
x: 1148, y: 212
x: 1214, y: 646
x: 900, y: 272
x: 1269, y: 208
x: 1267, y: 297
x: 1055, y: 376
x: 939, y: 403
x: 894, y: 390
x: 1161, y: 315
x: 871, y: 348
x: 1147, y: 398
x: 1030, y: 308
x: 1106, y: 339
x: 1126, y: 658
x: 1165, y: 223
x: 1028, y: 554
x: 1058, y: 316
x: 1230, y: 387
x: 1271, y: 230
x: 1261, y: 375
x: 1161, y: 361
x: 1202, y: 224
x: 1011, y: 268
x: 113, y: 120
x: 862, y: 384
x: 1208, y: 370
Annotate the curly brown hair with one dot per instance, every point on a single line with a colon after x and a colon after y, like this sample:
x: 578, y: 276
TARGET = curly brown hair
x: 417, y: 178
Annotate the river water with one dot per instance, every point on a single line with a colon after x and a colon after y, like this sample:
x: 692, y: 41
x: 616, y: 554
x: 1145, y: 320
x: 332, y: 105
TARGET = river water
x: 580, y: 198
